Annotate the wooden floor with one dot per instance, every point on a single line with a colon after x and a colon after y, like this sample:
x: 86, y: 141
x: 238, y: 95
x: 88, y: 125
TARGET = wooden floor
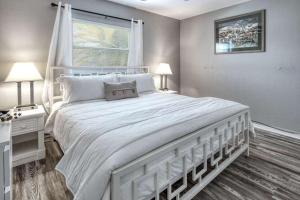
x: 271, y: 172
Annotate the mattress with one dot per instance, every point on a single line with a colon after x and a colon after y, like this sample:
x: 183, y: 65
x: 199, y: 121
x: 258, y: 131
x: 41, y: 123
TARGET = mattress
x: 100, y: 136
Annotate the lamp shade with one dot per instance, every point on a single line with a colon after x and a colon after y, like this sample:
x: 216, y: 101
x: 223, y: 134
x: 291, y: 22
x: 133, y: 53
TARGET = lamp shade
x: 23, y: 72
x: 164, y: 69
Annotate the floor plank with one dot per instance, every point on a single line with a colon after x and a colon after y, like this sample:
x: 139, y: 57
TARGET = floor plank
x: 271, y: 172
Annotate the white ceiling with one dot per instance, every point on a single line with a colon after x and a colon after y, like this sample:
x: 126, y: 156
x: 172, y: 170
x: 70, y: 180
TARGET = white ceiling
x: 179, y: 9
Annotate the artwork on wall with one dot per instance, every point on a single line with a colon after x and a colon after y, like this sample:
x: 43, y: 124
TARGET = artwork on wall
x: 241, y: 34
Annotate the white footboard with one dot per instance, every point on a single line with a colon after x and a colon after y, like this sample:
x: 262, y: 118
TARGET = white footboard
x: 198, y: 157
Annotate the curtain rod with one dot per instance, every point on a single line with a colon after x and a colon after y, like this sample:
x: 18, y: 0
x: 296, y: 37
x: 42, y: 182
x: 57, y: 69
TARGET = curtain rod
x: 94, y: 13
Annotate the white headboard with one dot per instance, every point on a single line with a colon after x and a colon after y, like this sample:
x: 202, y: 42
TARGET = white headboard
x: 56, y: 71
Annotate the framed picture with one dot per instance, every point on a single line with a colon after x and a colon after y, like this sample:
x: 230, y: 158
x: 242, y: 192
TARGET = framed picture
x: 241, y: 34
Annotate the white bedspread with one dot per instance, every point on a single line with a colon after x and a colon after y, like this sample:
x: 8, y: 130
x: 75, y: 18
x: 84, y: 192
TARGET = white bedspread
x: 100, y: 136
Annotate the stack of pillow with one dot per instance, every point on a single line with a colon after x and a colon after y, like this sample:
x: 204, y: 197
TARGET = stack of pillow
x: 109, y: 87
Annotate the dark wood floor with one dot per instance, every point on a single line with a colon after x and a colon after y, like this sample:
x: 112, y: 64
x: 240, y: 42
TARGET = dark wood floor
x: 271, y: 172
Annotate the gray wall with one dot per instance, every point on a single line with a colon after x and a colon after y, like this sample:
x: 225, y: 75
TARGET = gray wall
x: 268, y: 82
x: 26, y: 28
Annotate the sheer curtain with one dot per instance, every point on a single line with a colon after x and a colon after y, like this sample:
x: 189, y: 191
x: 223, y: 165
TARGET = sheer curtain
x: 135, y: 55
x: 60, y: 51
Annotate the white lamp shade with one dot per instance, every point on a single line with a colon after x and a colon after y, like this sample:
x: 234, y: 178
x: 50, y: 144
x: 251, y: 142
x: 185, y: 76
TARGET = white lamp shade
x: 23, y: 72
x: 164, y: 69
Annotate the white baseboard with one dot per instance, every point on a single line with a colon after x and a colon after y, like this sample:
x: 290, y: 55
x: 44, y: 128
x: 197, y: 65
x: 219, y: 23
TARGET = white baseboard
x: 273, y: 130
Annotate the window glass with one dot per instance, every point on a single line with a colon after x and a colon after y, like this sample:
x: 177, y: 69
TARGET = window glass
x: 96, y: 44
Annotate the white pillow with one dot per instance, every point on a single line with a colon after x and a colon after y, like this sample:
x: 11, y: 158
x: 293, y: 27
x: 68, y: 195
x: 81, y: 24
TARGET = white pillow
x: 144, y: 82
x: 81, y: 88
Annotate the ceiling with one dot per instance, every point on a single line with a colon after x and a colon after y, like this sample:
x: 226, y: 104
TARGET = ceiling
x: 179, y: 9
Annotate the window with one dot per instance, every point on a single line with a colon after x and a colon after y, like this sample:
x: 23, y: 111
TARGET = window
x: 96, y: 44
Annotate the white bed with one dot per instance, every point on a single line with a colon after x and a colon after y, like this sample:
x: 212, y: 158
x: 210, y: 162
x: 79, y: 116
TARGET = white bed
x: 135, y: 148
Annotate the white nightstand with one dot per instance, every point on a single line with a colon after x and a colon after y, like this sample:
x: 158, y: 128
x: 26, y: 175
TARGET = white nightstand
x: 168, y: 91
x: 5, y: 160
x: 28, y: 136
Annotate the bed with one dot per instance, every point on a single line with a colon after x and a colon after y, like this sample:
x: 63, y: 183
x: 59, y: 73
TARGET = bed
x: 138, y: 148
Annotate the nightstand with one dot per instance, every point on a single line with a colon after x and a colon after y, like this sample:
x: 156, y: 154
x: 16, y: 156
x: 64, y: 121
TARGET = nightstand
x: 168, y: 91
x: 5, y: 160
x: 28, y: 136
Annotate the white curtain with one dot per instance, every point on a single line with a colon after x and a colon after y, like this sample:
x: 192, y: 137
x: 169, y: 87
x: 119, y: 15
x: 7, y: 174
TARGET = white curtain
x: 135, y: 56
x: 60, y: 51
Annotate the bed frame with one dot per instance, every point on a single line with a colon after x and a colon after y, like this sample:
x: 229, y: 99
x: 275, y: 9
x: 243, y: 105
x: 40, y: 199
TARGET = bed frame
x: 235, y: 128
x: 231, y: 135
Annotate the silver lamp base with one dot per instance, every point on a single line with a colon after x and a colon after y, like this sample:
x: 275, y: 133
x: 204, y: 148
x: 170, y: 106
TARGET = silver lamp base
x: 164, y: 82
x: 32, y: 104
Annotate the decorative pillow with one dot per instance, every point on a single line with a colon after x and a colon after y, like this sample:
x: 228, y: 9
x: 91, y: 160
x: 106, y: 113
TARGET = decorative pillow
x: 116, y: 91
x: 144, y: 82
x: 81, y: 88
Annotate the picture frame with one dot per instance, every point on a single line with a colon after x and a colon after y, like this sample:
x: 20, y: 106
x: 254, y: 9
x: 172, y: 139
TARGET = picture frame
x: 244, y: 33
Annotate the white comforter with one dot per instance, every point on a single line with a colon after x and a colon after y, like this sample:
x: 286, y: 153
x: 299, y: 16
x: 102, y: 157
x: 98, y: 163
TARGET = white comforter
x: 100, y: 136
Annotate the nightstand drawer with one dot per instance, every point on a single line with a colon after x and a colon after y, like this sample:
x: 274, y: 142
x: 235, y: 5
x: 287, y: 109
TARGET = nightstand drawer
x: 25, y: 126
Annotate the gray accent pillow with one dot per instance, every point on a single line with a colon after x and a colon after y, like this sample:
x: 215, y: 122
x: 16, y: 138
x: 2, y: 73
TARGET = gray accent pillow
x: 116, y: 91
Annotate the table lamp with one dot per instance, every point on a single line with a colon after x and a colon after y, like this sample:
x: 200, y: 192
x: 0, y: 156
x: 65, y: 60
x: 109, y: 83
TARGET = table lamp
x: 22, y: 72
x: 164, y: 70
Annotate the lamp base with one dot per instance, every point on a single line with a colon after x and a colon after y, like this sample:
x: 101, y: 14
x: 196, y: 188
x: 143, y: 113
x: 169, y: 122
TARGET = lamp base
x: 164, y: 82
x: 25, y: 107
